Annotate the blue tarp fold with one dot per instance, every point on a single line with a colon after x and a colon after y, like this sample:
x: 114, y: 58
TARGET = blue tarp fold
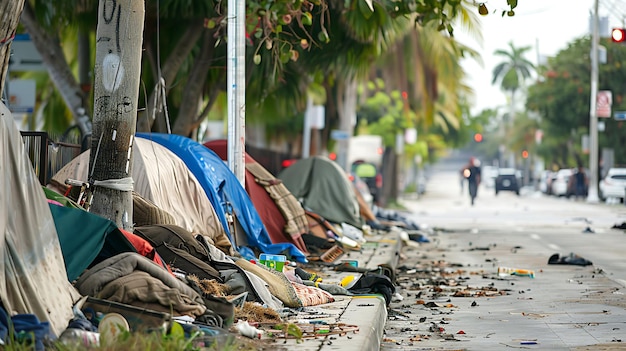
x: 225, y: 192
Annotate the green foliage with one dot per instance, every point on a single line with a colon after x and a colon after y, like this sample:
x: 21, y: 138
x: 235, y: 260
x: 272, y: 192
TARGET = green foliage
x: 562, y: 99
x: 514, y: 70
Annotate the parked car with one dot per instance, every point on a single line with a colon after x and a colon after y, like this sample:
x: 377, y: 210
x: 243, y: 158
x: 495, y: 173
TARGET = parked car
x: 507, y: 180
x: 560, y: 184
x: 488, y: 176
x: 614, y: 184
x: 545, y: 180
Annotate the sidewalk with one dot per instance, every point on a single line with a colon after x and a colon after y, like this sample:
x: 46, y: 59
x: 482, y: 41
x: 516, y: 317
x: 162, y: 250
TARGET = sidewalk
x: 362, y: 317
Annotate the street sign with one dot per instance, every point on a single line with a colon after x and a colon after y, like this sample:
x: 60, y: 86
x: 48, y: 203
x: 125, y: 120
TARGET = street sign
x: 22, y: 95
x: 337, y: 134
x: 604, y: 99
x: 24, y: 55
x: 619, y: 115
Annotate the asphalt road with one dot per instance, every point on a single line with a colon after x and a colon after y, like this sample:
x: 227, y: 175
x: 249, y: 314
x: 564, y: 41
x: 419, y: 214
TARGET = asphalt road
x: 454, y: 299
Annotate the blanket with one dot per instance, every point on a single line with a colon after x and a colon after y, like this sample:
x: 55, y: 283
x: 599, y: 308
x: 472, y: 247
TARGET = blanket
x: 93, y: 281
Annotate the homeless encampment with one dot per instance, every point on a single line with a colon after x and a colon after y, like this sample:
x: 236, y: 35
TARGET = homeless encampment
x: 163, y: 178
x: 280, y: 211
x: 323, y: 187
x: 216, y: 178
x: 34, y: 279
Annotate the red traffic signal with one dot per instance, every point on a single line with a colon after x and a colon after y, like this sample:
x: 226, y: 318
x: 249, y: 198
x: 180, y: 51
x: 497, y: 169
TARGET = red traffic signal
x: 525, y: 154
x: 618, y: 35
x: 478, y: 137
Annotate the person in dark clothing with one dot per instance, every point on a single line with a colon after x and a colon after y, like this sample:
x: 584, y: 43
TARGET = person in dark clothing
x: 472, y: 174
x: 580, y: 183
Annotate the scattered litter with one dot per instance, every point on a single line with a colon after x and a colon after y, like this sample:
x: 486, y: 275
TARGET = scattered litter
x: 247, y: 330
x: 619, y: 226
x: 504, y: 271
x: 588, y: 230
x: 397, y: 297
x: 572, y: 259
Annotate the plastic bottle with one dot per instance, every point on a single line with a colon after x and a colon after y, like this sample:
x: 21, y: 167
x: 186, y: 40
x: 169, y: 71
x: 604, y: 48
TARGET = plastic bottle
x: 79, y: 337
x: 347, y: 281
x: 503, y: 271
x: 247, y: 330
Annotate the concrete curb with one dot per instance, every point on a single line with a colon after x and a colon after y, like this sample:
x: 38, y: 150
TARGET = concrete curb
x: 367, y: 312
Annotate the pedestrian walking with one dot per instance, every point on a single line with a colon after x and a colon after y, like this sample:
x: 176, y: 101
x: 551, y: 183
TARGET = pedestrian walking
x: 471, y: 172
x: 581, y: 183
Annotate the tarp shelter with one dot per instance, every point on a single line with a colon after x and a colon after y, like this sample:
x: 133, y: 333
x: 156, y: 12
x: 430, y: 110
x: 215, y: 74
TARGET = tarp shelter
x: 86, y: 238
x: 279, y: 210
x: 34, y: 279
x: 163, y: 178
x: 324, y: 188
x: 215, y: 176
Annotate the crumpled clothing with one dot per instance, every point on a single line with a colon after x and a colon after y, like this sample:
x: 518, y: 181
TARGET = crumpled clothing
x: 142, y: 290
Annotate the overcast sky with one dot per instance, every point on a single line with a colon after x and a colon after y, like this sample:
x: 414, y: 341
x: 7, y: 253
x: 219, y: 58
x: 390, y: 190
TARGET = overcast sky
x: 546, y: 26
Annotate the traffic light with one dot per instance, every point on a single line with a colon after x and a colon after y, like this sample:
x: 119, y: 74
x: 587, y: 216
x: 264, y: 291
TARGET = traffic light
x: 524, y: 154
x: 618, y: 35
x: 478, y: 137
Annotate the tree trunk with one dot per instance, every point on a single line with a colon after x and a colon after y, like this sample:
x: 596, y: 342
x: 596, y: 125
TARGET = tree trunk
x: 190, y: 103
x: 116, y: 92
x: 10, y: 11
x: 52, y: 55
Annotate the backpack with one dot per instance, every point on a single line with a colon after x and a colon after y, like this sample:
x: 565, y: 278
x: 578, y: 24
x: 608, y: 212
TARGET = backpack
x: 180, y: 249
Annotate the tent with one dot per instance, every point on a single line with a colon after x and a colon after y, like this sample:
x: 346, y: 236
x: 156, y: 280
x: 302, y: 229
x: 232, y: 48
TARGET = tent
x: 34, y: 279
x: 163, y: 178
x: 324, y: 188
x: 215, y: 177
x: 96, y: 239
x: 279, y: 210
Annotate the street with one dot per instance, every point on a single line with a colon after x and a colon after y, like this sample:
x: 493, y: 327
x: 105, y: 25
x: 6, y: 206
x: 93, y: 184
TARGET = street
x: 453, y: 297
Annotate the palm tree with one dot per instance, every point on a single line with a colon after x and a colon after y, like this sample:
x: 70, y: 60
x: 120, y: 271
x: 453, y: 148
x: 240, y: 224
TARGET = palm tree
x: 9, y: 14
x: 512, y: 74
x: 514, y: 71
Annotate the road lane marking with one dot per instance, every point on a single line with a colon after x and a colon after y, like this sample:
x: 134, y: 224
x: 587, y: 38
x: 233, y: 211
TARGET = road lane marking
x: 554, y: 247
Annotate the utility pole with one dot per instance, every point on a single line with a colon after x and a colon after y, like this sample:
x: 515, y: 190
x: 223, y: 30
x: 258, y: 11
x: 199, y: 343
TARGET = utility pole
x: 119, y: 36
x: 592, y: 195
x: 236, y: 90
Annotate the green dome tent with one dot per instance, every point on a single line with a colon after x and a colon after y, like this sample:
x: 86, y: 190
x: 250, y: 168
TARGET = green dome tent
x: 324, y: 188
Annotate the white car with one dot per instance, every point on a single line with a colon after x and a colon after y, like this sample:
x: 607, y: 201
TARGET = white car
x: 560, y: 183
x: 614, y: 184
x: 488, y: 176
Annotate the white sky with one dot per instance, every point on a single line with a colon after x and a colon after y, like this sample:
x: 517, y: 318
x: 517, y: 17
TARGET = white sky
x: 547, y: 26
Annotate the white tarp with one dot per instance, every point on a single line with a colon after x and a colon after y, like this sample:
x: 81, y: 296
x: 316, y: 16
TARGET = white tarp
x: 34, y: 279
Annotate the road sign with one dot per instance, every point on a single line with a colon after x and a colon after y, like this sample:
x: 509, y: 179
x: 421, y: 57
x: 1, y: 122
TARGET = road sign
x: 337, y: 134
x: 619, y: 115
x: 24, y: 55
x: 22, y: 95
x: 604, y: 99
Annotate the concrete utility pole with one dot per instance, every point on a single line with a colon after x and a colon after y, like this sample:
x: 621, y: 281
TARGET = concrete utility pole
x: 236, y: 89
x: 119, y: 39
x: 592, y: 195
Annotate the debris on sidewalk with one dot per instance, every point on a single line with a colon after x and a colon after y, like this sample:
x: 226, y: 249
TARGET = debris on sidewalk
x: 572, y: 259
x: 504, y: 271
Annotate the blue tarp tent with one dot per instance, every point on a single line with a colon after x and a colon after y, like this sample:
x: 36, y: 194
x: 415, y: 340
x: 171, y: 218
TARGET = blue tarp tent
x: 224, y: 190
